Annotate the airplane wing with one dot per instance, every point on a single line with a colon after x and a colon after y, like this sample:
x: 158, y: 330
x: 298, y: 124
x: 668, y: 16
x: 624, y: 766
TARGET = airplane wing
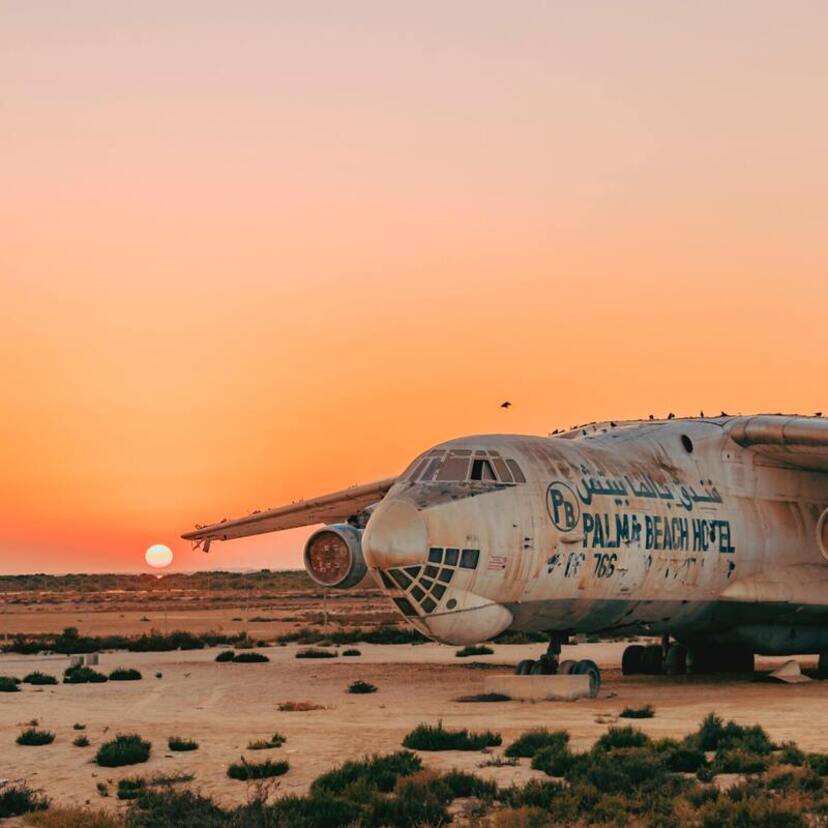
x: 801, y: 442
x: 329, y: 508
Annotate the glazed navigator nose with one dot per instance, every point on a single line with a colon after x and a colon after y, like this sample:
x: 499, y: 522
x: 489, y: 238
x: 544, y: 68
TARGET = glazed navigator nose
x: 396, y: 535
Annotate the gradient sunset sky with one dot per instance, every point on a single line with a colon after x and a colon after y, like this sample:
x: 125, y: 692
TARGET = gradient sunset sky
x: 257, y: 251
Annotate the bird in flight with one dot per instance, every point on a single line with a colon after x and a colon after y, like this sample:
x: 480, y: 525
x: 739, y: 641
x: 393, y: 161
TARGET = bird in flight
x: 506, y: 404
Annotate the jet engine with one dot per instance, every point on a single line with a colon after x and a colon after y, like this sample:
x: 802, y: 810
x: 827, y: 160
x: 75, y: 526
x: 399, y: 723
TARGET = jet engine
x: 333, y: 556
x: 822, y: 533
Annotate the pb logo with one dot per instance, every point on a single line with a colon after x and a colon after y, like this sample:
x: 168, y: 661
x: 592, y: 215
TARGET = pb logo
x: 563, y: 506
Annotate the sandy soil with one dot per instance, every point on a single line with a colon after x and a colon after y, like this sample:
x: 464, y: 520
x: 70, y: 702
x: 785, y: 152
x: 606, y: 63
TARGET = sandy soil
x: 133, y: 615
x: 223, y: 706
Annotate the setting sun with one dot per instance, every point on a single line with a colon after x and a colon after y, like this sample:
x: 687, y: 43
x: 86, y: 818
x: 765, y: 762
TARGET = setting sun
x: 158, y: 556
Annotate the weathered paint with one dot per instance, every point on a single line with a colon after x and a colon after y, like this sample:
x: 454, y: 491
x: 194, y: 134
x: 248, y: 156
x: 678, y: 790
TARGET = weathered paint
x: 662, y: 527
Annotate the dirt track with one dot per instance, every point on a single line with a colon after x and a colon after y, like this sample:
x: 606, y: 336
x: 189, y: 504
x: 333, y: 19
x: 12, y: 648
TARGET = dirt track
x: 223, y: 706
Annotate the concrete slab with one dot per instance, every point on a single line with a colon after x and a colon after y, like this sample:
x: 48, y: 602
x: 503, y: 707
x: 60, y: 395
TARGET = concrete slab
x: 539, y: 688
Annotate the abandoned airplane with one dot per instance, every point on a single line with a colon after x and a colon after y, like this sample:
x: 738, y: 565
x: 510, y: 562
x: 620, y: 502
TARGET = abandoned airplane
x: 711, y: 533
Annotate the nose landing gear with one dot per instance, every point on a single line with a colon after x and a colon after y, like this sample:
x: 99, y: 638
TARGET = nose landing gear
x: 549, y: 664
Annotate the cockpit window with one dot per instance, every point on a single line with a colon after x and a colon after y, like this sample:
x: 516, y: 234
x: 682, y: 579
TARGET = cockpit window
x: 482, y: 470
x: 461, y: 465
x: 502, y: 470
x: 455, y: 468
x: 518, y: 474
x: 431, y: 469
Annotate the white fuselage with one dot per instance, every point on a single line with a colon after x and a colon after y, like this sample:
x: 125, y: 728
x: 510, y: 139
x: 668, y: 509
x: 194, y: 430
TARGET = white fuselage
x: 664, y: 528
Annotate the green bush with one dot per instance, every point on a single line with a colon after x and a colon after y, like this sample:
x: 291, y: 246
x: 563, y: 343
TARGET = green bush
x: 39, y: 678
x: 680, y: 757
x: 530, y: 742
x: 418, y: 800
x: 795, y: 780
x: 225, y: 655
x: 351, y: 652
x: 790, y: 754
x: 462, y: 784
x: 18, y: 798
x: 8, y: 685
x: 622, y: 737
x: 78, y: 726
x: 130, y: 787
x: 383, y: 634
x: 554, y: 760
x: 621, y: 771
x: 33, y: 736
x: 248, y: 657
x: 174, y: 809
x: 83, y: 675
x: 534, y: 794
x: 474, y: 650
x: 646, y: 712
x: 81, y: 741
x: 520, y: 638
x: 319, y: 811
x: 125, y: 674
x: 312, y: 652
x: 362, y: 687
x: 275, y: 741
x: 715, y: 734
x: 430, y: 737
x: 739, y: 760
x: 124, y: 749
x: 379, y: 773
x: 818, y: 762
x: 179, y: 744
x: 257, y: 770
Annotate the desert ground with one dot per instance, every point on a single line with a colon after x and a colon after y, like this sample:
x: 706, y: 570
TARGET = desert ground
x: 223, y: 706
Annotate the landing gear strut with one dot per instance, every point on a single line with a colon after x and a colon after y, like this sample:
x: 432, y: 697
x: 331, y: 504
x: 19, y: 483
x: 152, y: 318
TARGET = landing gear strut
x: 549, y: 664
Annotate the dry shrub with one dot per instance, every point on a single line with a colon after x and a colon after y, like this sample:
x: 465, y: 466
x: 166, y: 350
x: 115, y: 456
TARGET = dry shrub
x: 299, y: 706
x: 74, y: 818
x: 523, y: 817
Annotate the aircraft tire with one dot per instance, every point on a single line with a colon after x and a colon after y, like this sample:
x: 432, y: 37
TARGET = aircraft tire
x: 675, y: 663
x: 587, y: 667
x: 524, y: 668
x: 566, y: 667
x: 631, y: 660
x: 651, y: 660
x: 544, y: 667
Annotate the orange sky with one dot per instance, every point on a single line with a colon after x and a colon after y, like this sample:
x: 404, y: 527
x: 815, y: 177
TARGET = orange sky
x: 257, y: 251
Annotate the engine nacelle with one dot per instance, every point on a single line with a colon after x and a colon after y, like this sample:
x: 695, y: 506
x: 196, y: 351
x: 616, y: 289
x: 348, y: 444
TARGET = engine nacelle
x: 333, y: 556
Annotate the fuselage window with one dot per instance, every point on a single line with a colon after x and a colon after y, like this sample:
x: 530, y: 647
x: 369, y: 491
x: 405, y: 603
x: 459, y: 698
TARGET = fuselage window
x: 482, y: 470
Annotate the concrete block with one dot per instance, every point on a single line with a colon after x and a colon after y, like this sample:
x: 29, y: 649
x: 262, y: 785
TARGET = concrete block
x: 539, y: 688
x: 92, y: 659
x: 76, y: 661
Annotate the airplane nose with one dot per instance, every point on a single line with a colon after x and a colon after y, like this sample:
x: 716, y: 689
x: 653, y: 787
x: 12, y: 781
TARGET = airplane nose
x: 396, y: 535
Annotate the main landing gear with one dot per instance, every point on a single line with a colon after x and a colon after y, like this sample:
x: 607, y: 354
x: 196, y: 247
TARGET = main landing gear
x: 549, y: 664
x: 674, y: 659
